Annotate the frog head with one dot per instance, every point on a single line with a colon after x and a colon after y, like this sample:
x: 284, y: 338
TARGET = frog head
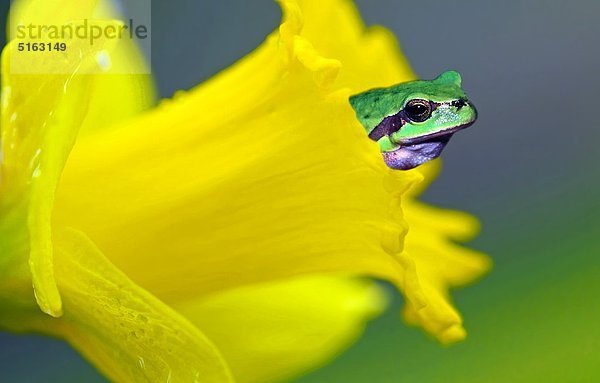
x: 412, y: 122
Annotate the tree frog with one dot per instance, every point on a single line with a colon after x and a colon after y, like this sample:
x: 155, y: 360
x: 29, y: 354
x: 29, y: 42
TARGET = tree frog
x: 412, y: 122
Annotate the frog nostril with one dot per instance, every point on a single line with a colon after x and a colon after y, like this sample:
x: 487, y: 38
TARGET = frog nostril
x: 459, y: 103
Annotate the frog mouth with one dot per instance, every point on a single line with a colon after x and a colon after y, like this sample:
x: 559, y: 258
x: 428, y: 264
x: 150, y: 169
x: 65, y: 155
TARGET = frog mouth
x: 413, y: 152
x: 410, y: 156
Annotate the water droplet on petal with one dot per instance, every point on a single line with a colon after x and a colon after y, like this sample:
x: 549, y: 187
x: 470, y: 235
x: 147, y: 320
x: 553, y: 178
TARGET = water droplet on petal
x: 35, y: 164
x: 103, y: 60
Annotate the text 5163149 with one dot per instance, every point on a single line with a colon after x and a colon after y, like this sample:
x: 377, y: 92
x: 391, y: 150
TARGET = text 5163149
x: 42, y: 47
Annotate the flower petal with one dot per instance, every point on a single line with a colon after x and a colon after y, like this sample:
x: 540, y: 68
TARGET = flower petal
x: 369, y: 56
x: 125, y: 331
x: 439, y: 263
x: 125, y: 88
x: 274, y: 331
x: 42, y: 112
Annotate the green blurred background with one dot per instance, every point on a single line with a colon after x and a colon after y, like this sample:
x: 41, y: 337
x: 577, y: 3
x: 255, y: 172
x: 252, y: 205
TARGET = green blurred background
x: 528, y: 169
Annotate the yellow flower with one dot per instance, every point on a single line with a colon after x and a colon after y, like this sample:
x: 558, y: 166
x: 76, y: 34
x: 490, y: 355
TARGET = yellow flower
x: 225, y: 233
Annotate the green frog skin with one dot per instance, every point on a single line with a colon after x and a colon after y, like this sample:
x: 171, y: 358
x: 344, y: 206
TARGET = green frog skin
x: 412, y: 122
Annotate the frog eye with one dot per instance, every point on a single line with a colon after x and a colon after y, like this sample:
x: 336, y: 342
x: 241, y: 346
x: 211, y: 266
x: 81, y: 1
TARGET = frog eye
x: 418, y: 110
